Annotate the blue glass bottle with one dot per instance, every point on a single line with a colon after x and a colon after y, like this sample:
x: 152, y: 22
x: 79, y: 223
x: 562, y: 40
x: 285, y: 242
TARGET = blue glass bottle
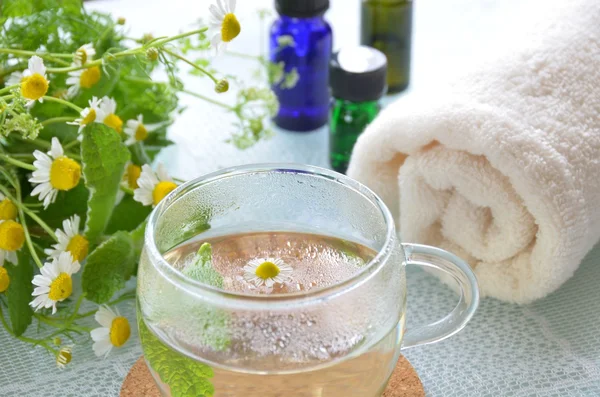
x: 304, y: 107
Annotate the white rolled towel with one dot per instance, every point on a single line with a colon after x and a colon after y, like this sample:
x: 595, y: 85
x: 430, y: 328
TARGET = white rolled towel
x: 503, y: 168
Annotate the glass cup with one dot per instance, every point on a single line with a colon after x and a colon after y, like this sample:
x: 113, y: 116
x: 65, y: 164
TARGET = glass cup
x: 339, y: 340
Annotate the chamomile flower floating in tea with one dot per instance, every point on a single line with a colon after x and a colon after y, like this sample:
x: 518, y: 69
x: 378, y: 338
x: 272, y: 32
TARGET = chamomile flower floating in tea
x: 54, y: 284
x: 8, y: 209
x: 53, y: 172
x: 137, y: 131
x: 70, y: 240
x: 114, y: 331
x: 108, y: 107
x: 12, y: 237
x: 89, y: 115
x: 64, y: 356
x: 82, y: 78
x: 4, y: 279
x: 224, y: 23
x: 131, y: 175
x: 84, y: 54
x: 34, y: 83
x: 267, y: 271
x: 153, y: 187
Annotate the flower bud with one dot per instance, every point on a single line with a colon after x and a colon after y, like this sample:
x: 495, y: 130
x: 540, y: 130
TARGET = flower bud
x: 222, y: 86
x: 152, y: 54
x: 121, y: 21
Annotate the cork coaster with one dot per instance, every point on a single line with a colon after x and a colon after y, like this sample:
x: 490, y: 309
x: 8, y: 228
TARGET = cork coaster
x: 404, y: 382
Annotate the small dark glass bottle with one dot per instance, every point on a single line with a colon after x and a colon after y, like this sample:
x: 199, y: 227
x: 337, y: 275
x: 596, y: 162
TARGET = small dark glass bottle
x: 358, y: 80
x: 304, y: 107
x: 387, y: 26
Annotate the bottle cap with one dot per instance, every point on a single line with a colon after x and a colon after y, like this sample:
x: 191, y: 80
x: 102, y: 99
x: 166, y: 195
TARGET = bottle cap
x: 358, y: 74
x: 301, y: 8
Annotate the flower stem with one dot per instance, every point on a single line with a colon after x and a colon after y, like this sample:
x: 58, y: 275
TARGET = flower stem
x: 125, y: 296
x: 192, y: 64
x: 207, y: 99
x: 97, y: 62
x: 63, y: 102
x: 49, y: 57
x: 10, y: 87
x: 55, y: 120
x: 71, y: 144
x: 160, y: 42
x: 37, y: 219
x: 34, y: 254
x: 16, y: 162
x: 245, y: 56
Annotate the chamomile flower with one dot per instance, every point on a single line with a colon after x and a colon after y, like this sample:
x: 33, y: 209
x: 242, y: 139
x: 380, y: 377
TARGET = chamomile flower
x: 108, y: 107
x: 53, y: 172
x: 153, y: 187
x: 224, y: 24
x: 131, y: 175
x: 114, y: 331
x: 8, y: 209
x: 12, y: 237
x: 89, y: 115
x: 34, y: 83
x: 84, y: 54
x: 82, y: 78
x: 55, y: 283
x: 4, y: 279
x: 70, y: 240
x: 14, y: 79
x: 137, y: 131
x: 267, y: 271
x: 64, y: 356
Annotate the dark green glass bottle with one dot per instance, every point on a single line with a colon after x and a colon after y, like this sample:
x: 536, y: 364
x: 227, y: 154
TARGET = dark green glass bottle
x: 357, y: 77
x: 387, y: 26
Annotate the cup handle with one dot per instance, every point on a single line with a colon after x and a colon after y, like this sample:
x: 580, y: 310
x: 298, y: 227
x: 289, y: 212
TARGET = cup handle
x: 460, y: 271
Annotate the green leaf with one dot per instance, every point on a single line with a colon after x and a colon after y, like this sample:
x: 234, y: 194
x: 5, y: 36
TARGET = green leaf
x: 19, y: 292
x: 109, y: 266
x: 211, y: 323
x: 104, y: 157
x: 127, y: 215
x: 202, y: 269
x: 67, y: 203
x: 185, y: 376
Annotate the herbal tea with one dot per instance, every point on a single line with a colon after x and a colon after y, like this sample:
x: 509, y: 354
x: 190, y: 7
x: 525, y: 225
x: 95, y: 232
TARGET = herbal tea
x: 319, y: 352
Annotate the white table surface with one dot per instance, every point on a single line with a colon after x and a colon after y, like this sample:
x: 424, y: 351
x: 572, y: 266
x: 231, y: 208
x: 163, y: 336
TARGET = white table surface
x: 549, y: 348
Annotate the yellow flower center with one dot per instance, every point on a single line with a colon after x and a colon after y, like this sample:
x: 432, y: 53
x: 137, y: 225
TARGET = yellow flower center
x: 114, y: 122
x: 64, y: 356
x: 161, y: 190
x: 119, y: 331
x: 61, y: 288
x: 8, y: 210
x: 230, y: 28
x: 267, y: 270
x: 64, y: 173
x: 90, y: 118
x: 90, y: 77
x: 82, y: 55
x: 34, y: 87
x: 141, y: 133
x: 4, y: 280
x: 78, y: 247
x: 12, y: 236
x: 133, y: 173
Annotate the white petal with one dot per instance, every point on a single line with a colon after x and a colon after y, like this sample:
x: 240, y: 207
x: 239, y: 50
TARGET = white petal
x: 56, y: 150
x: 216, y: 12
x: 101, y: 333
x: 11, y: 256
x: 143, y: 196
x: 41, y: 290
x: 102, y: 348
x: 105, y: 316
x: 231, y: 5
x: 161, y: 171
x: 36, y: 65
x: 42, y: 280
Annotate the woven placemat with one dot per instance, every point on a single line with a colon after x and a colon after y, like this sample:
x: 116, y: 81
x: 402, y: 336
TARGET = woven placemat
x: 404, y: 382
